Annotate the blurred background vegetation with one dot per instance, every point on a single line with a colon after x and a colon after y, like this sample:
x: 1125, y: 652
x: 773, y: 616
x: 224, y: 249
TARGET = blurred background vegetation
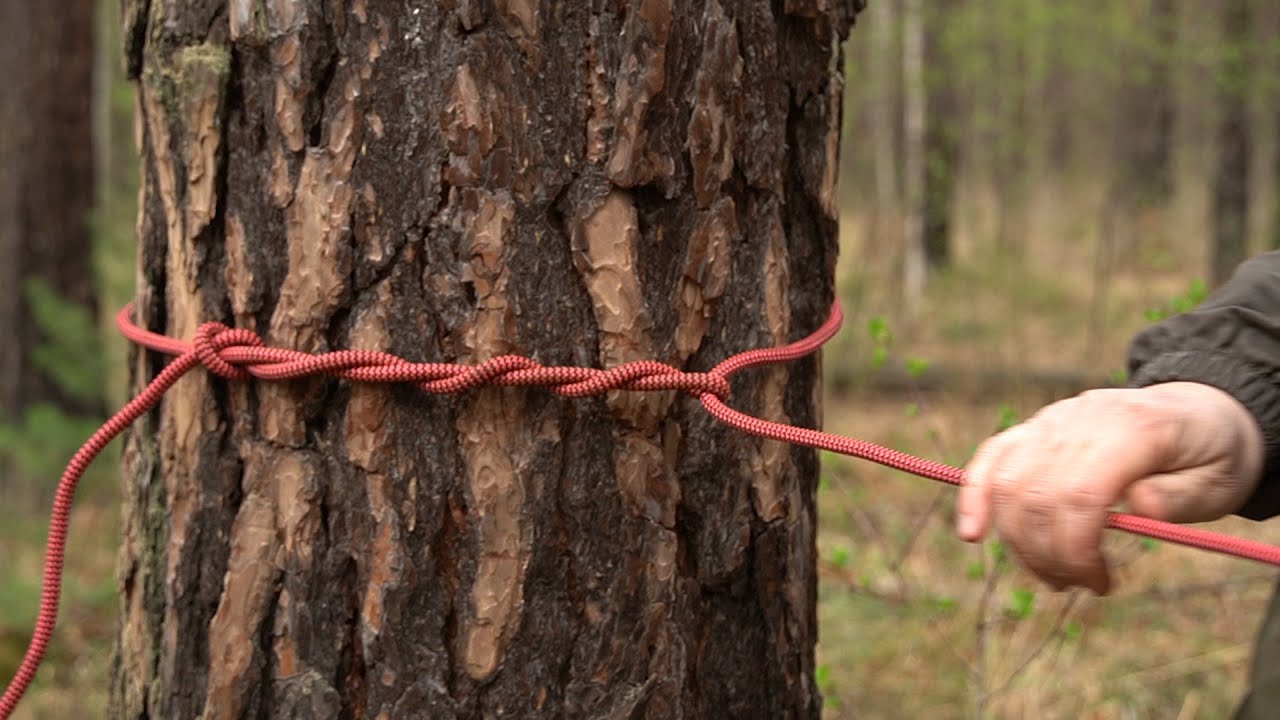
x: 1025, y: 183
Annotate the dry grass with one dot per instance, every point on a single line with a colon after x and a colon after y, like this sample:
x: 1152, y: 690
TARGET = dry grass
x: 943, y: 629
x: 900, y: 632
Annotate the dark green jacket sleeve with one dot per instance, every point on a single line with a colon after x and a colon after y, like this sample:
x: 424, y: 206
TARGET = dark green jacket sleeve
x: 1232, y: 342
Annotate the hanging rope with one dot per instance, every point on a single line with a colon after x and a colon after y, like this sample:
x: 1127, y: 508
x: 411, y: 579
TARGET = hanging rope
x: 238, y: 354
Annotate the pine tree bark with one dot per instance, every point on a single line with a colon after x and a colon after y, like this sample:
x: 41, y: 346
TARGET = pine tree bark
x: 584, y: 183
x: 46, y: 179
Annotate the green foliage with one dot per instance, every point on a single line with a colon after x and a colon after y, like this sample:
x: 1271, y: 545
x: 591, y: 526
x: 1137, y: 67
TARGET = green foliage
x: 840, y: 556
x: 1007, y: 418
x: 1022, y: 602
x: 16, y: 607
x: 916, y: 366
x: 69, y: 353
x: 826, y: 686
x: 881, y: 338
x: 878, y: 329
x: 999, y: 553
x: 40, y: 441
x: 879, y: 357
x: 1185, y: 301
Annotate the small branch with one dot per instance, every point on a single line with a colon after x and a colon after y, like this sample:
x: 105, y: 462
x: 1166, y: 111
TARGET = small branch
x: 992, y: 576
x: 873, y: 534
x: 896, y: 563
x: 1194, y: 664
x: 1187, y: 590
x: 1055, y: 631
x: 856, y: 588
x: 916, y: 530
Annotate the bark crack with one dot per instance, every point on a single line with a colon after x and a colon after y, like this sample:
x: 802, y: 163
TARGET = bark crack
x: 135, y: 14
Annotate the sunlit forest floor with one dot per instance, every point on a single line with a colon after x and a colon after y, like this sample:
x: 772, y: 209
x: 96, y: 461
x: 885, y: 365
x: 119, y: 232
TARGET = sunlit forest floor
x: 913, y: 623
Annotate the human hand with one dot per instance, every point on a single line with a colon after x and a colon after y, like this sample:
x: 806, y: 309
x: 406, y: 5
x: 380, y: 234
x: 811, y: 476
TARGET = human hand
x: 1180, y: 452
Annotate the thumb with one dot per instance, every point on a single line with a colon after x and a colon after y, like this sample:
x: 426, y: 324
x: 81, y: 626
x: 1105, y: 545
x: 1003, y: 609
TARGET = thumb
x: 1184, y: 497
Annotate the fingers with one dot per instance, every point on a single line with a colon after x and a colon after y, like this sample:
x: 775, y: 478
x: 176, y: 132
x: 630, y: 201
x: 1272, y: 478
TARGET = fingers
x: 1047, y: 485
x: 973, y: 506
x: 1053, y: 530
x: 1178, y: 451
x: 1077, y: 540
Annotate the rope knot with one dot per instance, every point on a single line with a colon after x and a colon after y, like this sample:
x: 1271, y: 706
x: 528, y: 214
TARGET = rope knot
x: 712, y: 382
x: 212, y: 338
x: 642, y: 375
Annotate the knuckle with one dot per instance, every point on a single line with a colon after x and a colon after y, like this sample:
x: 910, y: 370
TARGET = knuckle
x: 1134, y: 419
x: 1094, y: 395
x: 1004, y: 481
x: 1037, y: 503
x: 1153, y: 425
x: 1084, y: 494
x: 988, y: 448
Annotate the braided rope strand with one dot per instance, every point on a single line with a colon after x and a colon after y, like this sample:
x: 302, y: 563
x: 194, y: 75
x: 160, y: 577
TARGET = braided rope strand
x: 239, y: 354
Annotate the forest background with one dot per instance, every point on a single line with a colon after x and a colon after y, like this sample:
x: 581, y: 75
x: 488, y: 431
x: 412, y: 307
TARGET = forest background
x: 1025, y: 184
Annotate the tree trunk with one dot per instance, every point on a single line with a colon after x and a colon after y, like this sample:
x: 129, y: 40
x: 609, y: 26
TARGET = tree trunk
x: 1148, y: 150
x: 915, y: 264
x: 885, y: 82
x: 46, y: 179
x: 582, y: 183
x: 1231, y: 180
x: 1141, y: 145
x: 941, y: 136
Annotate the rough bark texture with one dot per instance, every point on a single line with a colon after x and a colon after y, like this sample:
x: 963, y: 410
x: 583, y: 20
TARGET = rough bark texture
x: 46, y: 177
x: 585, y: 183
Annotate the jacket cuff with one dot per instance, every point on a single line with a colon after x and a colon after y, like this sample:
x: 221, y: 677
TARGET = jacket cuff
x: 1252, y: 387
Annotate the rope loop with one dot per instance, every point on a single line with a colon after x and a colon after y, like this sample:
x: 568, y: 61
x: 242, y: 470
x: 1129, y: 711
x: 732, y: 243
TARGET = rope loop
x: 212, y: 338
x: 236, y: 354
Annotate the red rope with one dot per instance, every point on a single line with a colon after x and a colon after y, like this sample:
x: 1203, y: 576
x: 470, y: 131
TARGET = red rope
x: 238, y: 354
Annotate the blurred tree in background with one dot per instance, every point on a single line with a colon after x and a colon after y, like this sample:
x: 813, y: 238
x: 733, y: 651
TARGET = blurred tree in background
x: 1011, y: 127
x: 67, y: 189
x: 1231, y: 179
x: 1026, y: 184
x: 47, y: 295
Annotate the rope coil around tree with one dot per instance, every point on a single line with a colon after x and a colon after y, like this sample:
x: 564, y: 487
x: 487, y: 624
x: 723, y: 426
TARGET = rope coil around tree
x: 239, y: 354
